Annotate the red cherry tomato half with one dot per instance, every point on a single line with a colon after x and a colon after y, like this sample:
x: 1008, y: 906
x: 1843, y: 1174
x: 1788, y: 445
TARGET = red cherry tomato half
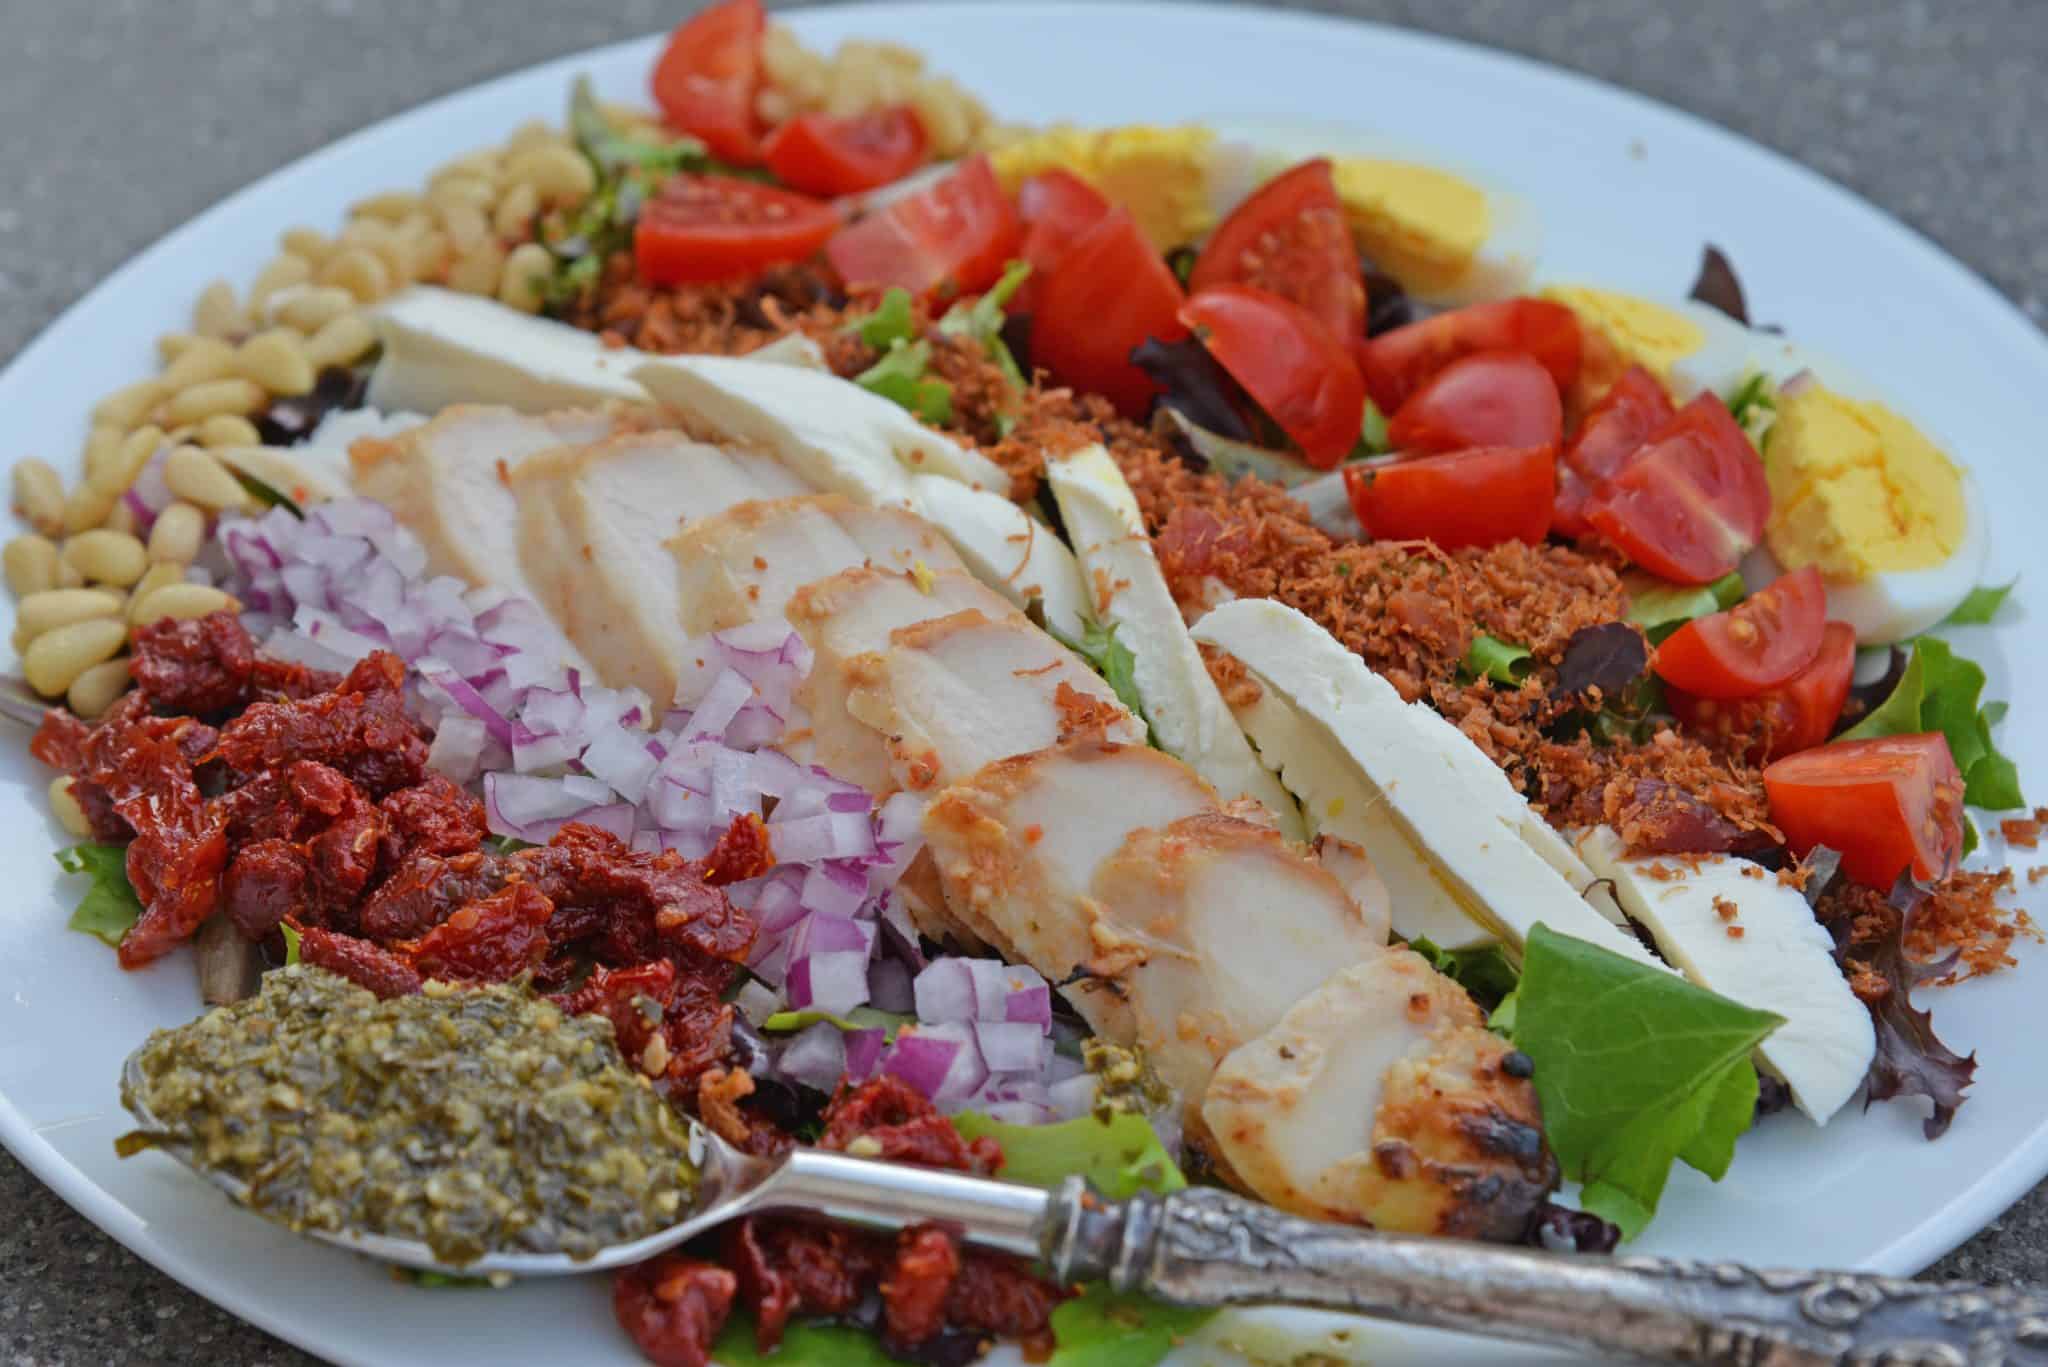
x: 1493, y: 398
x: 1691, y: 503
x: 1294, y: 366
x: 706, y: 77
x: 1398, y: 362
x: 1798, y: 714
x: 821, y: 155
x: 1614, y: 430
x: 1888, y: 804
x: 1056, y: 208
x: 1480, y: 497
x: 953, y: 238
x: 702, y: 228
x: 1291, y: 238
x: 1757, y: 644
x: 1109, y: 292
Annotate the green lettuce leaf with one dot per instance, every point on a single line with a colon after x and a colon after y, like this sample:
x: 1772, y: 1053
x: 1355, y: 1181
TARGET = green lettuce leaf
x: 291, y: 943
x: 110, y: 905
x: 1119, y: 1153
x: 1660, y: 608
x: 1484, y: 972
x: 1103, y: 1329
x: 1754, y: 403
x: 805, y: 1343
x: 900, y: 377
x: 1112, y: 659
x: 1372, y: 436
x: 1503, y: 662
x: 860, y: 1018
x: 982, y: 321
x: 1939, y: 692
x: 1635, y: 1067
x: 889, y: 324
x: 1980, y: 606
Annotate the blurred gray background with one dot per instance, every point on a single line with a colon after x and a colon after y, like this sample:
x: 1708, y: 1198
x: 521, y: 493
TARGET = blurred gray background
x: 126, y: 117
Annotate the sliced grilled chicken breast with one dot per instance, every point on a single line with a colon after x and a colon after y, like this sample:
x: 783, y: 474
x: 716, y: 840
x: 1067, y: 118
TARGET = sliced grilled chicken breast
x: 955, y: 693
x: 592, y: 520
x: 1381, y: 1097
x: 851, y: 615
x: 1009, y: 550
x: 744, y: 563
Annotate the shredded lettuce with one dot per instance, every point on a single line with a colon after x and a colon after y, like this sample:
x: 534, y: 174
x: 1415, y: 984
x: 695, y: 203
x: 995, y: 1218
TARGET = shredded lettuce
x: 291, y: 943
x: 1660, y: 608
x: 889, y: 324
x: 900, y: 377
x: 1112, y: 659
x: 1939, y: 692
x: 1502, y: 662
x: 1484, y: 972
x: 1754, y: 403
x: 1979, y: 606
x: 1103, y: 1329
x: 982, y: 321
x: 1372, y: 436
x: 805, y: 1343
x: 110, y: 905
x: 860, y: 1018
x: 1635, y: 1067
x: 1119, y: 1153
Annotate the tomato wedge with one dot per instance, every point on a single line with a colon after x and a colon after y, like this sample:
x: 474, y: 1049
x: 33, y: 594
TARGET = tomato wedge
x: 1480, y: 497
x: 1757, y: 644
x: 1798, y: 714
x: 1291, y: 238
x: 1109, y: 292
x: 821, y: 155
x: 1888, y: 804
x: 1614, y: 429
x: 1494, y: 398
x: 1398, y: 362
x: 952, y: 238
x: 702, y: 228
x: 705, y: 79
x: 1056, y: 208
x: 1294, y: 366
x: 1692, y: 502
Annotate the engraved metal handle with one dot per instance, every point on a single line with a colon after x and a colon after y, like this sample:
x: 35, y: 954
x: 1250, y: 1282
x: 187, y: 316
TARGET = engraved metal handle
x: 1207, y: 1247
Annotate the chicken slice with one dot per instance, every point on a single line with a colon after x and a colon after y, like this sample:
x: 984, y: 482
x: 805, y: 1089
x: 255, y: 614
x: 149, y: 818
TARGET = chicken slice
x: 1009, y: 550
x: 1353, y: 867
x: 1382, y: 1097
x: 592, y: 520
x: 744, y: 563
x: 952, y: 694
x: 851, y: 615
x: 449, y: 482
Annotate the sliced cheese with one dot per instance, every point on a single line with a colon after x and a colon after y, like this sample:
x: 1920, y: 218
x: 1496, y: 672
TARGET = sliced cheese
x: 1782, y: 961
x: 1189, y: 717
x: 443, y: 348
x: 1415, y: 769
x: 1008, y: 550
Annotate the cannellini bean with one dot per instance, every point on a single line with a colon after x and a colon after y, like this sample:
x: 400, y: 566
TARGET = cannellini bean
x: 340, y: 341
x: 109, y: 557
x: 38, y: 495
x: 159, y: 576
x: 94, y: 691
x: 228, y: 429
x: 361, y: 272
x: 513, y: 218
x: 478, y: 270
x: 55, y: 659
x: 199, y: 478
x: 276, y: 360
x: 87, y: 507
x: 556, y: 172
x: 31, y: 564
x: 525, y: 270
x: 183, y: 601
x: 465, y: 224
x: 53, y: 608
x: 284, y: 271
x: 67, y: 578
x: 130, y: 404
x: 175, y: 536
x: 172, y: 345
x: 102, y: 449
x: 309, y: 245
x: 215, y: 313
x: 65, y: 807
x: 476, y: 192
x: 209, y: 358
x: 202, y: 401
x: 392, y: 205
x: 312, y: 307
x: 121, y: 518
x: 117, y: 473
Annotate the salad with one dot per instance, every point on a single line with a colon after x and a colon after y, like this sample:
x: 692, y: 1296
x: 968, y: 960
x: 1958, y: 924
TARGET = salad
x: 1033, y: 651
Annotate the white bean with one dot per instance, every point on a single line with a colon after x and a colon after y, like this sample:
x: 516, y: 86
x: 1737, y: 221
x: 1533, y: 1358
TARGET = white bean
x: 525, y: 271
x: 228, y: 429
x: 159, y: 576
x: 359, y: 271
x: 312, y: 307
x: 31, y: 563
x: 87, y: 507
x: 284, y: 271
x: 182, y: 601
x: 203, y: 401
x: 118, y: 473
x: 197, y: 477
x: 94, y: 690
x: 39, y: 495
x: 130, y: 404
x: 108, y: 557
x: 175, y: 536
x: 209, y: 358
x: 215, y: 313
x: 65, y: 807
x: 341, y: 341
x: 277, y: 361
x: 56, y: 658
x: 53, y: 608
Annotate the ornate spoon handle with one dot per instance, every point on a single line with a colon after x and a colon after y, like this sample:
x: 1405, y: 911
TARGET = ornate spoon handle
x: 1207, y: 1247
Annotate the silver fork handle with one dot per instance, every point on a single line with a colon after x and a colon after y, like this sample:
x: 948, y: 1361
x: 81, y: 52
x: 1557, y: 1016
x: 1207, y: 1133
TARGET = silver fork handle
x: 834, y: 1185
x: 1206, y: 1247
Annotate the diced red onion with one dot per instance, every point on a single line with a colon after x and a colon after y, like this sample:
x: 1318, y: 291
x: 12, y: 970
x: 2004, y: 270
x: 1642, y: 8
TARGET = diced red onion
x: 816, y: 1057
x: 458, y: 748
x: 1009, y: 1047
x: 864, y: 1052
x: 938, y: 1060
x: 944, y: 991
x: 1797, y: 384
x: 756, y: 1002
x: 1073, y: 1096
x: 889, y: 986
x: 835, y: 981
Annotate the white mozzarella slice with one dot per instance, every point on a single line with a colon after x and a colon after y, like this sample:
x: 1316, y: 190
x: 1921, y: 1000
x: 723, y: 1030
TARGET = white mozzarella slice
x: 442, y: 348
x: 1007, y: 549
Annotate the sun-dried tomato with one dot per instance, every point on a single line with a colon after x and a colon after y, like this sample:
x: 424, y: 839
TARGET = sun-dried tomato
x: 265, y: 882
x: 673, y: 1307
x: 438, y: 816
x: 698, y: 1026
x: 890, y: 1112
x: 655, y: 903
x: 362, y: 963
x: 741, y: 853
x: 632, y: 999
x: 915, y: 1289
x: 998, y: 1294
x: 791, y: 1267
x: 361, y: 728
x: 427, y: 889
x: 174, y: 867
x: 490, y: 941
x: 208, y: 667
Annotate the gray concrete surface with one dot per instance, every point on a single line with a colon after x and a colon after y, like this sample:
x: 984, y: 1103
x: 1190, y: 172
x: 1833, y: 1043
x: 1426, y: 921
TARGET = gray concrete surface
x: 126, y: 117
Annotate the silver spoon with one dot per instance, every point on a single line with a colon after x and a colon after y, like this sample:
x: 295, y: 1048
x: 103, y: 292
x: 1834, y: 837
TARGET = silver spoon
x: 1204, y: 1247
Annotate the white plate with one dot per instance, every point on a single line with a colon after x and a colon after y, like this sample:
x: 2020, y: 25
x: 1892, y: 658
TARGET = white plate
x: 1625, y: 192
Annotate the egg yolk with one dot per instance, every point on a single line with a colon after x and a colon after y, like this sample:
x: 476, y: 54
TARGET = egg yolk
x: 1160, y: 174
x: 1858, y: 490
x: 1420, y: 225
